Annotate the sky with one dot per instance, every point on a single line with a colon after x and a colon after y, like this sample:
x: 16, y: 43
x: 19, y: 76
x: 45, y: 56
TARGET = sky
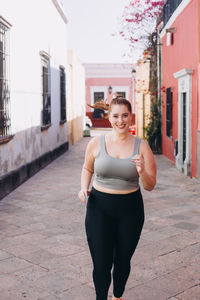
x: 91, y: 25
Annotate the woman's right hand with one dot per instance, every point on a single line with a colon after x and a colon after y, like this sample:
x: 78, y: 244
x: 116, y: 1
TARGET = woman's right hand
x: 83, y: 195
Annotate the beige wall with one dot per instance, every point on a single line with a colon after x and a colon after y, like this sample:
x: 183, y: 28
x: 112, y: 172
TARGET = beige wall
x: 75, y: 98
x: 142, y: 104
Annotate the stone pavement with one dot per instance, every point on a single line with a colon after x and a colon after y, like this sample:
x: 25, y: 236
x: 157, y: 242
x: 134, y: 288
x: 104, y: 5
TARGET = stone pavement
x: 43, y: 249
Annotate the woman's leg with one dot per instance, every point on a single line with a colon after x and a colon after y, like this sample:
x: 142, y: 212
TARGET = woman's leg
x: 100, y: 235
x: 129, y: 228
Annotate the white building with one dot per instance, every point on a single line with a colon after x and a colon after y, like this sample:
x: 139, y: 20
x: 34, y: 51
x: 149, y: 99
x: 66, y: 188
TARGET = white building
x: 33, y: 75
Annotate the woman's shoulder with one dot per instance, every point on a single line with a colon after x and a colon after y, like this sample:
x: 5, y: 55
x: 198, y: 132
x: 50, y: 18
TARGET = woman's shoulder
x: 94, y: 145
x: 144, y: 146
x: 94, y: 140
x: 140, y: 140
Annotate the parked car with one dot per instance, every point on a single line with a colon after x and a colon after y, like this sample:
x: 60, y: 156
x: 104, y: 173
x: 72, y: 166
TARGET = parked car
x: 87, y: 123
x: 87, y: 126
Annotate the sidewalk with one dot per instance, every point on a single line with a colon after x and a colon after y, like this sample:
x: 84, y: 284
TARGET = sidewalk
x: 43, y: 249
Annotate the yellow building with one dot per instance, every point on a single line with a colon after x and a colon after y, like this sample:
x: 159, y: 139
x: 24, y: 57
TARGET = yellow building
x: 142, y: 96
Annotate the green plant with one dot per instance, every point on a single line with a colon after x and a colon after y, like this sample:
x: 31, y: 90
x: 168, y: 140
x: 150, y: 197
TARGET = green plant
x: 153, y: 129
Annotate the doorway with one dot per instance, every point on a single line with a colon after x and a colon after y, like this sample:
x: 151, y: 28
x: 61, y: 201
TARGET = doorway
x: 183, y: 157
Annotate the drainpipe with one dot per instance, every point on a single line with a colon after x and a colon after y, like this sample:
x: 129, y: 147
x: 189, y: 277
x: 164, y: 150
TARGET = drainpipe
x: 159, y: 73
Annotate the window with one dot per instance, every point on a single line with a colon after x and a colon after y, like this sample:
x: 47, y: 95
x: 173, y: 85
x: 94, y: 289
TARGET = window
x: 5, y: 123
x: 121, y: 94
x: 98, y: 96
x: 169, y: 112
x: 46, y: 90
x: 62, y: 95
x: 170, y: 36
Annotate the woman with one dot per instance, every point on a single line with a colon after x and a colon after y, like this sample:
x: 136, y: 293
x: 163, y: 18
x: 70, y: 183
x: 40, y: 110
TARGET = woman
x: 115, y: 213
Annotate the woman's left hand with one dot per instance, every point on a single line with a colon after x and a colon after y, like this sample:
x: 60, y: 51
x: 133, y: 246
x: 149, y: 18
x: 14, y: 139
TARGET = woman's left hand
x: 139, y: 161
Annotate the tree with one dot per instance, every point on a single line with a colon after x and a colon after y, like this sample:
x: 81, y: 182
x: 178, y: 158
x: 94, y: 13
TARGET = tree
x: 139, y: 27
x: 138, y: 22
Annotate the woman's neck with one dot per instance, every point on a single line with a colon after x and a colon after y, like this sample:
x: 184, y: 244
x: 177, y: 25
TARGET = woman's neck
x: 119, y: 137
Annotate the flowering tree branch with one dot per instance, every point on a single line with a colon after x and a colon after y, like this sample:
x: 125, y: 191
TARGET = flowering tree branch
x: 138, y: 22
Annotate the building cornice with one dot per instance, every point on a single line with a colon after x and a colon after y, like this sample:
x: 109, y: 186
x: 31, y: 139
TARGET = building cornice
x: 183, y: 72
x: 4, y: 22
x: 176, y: 13
x: 60, y: 9
x: 108, y: 70
x: 105, y: 65
x: 45, y: 55
x: 91, y: 76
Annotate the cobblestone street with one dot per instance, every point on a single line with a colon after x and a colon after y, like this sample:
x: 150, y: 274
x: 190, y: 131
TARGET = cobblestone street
x: 43, y: 249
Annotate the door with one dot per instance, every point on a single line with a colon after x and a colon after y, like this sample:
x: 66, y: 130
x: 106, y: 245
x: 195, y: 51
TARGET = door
x: 184, y: 126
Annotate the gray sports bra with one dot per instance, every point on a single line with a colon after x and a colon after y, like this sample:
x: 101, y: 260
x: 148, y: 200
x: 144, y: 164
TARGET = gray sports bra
x: 116, y: 173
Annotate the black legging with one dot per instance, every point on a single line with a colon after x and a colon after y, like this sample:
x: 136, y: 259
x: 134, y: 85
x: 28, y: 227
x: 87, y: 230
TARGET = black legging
x: 113, y: 227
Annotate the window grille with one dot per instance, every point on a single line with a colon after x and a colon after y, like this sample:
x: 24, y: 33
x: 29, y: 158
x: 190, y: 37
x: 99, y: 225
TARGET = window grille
x: 46, y: 89
x: 5, y: 122
x: 62, y: 94
x: 169, y: 112
x: 98, y: 96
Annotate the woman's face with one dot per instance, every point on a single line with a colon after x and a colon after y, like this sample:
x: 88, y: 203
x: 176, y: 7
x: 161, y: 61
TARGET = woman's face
x: 120, y: 118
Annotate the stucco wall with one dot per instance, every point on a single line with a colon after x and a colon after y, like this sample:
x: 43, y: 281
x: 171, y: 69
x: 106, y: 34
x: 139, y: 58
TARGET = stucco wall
x: 198, y: 131
x: 75, y: 98
x: 198, y: 155
x: 184, y: 53
x: 142, y: 96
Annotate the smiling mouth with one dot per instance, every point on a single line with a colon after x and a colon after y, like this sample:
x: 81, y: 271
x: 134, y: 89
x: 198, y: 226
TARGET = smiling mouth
x: 121, y: 126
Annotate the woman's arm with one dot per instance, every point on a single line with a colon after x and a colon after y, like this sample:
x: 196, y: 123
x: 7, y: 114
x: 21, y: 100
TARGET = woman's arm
x: 87, y: 170
x: 86, y: 177
x: 146, y: 166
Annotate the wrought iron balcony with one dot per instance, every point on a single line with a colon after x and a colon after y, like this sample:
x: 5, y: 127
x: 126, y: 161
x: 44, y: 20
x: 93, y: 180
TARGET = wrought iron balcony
x: 169, y: 8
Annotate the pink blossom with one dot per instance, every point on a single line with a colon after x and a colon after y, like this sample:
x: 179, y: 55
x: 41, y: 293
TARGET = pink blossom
x: 139, y: 21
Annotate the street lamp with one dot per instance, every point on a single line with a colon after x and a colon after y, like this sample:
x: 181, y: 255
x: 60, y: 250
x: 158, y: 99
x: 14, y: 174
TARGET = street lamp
x: 110, y: 89
x: 133, y: 72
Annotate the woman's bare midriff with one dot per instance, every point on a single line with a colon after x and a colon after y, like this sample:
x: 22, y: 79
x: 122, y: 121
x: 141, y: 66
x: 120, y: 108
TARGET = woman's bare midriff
x: 110, y: 191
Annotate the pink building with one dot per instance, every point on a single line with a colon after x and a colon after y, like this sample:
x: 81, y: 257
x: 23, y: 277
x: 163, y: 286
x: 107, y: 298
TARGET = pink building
x: 102, y: 82
x: 181, y: 77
